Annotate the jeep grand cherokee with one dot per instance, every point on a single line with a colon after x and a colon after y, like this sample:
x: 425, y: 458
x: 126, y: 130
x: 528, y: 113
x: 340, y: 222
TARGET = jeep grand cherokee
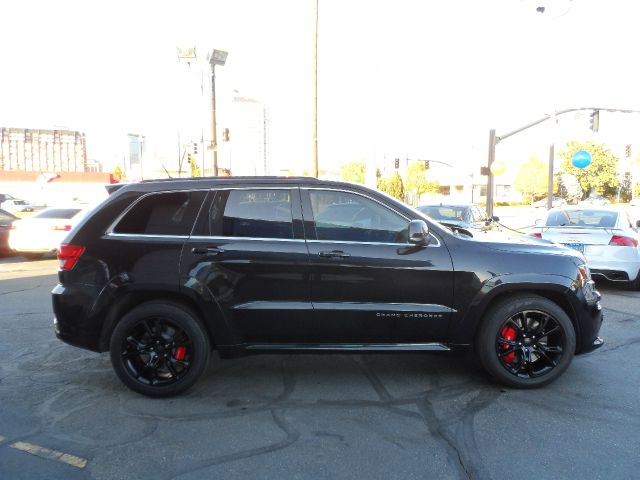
x: 164, y: 271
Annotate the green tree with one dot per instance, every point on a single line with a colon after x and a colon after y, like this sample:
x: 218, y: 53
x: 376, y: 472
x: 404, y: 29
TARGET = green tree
x: 353, y: 172
x: 392, y: 186
x: 601, y: 176
x: 416, y: 180
x: 532, y: 179
x: 118, y: 173
x: 193, y: 165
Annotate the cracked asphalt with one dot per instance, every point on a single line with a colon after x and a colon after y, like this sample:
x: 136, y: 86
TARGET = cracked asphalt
x: 373, y: 416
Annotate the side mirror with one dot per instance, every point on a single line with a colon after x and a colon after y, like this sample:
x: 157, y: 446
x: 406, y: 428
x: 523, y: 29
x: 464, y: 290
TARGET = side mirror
x: 637, y: 223
x: 495, y: 219
x: 537, y: 222
x: 419, y: 233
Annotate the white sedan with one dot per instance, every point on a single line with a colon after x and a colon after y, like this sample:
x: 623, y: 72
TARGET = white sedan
x: 44, y: 232
x: 16, y: 205
x: 605, y: 235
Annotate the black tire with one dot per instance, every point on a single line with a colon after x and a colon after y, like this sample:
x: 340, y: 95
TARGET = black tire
x: 634, y: 284
x: 526, y: 341
x: 159, y: 349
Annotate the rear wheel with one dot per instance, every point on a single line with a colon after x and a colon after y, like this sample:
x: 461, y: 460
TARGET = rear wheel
x: 526, y: 342
x: 634, y: 284
x: 159, y: 349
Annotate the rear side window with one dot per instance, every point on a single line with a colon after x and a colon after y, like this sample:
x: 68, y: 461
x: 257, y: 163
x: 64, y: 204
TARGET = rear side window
x: 259, y: 213
x: 58, y: 213
x: 169, y: 213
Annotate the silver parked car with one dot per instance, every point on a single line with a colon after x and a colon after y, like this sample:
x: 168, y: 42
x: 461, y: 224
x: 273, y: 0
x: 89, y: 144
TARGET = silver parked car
x: 605, y: 235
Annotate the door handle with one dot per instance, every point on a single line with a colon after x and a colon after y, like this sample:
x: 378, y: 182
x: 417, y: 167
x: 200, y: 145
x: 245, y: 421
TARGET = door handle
x: 334, y: 254
x: 206, y: 250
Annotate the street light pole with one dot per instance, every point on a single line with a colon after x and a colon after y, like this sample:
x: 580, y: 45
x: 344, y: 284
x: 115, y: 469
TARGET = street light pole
x: 214, y: 127
x: 216, y: 57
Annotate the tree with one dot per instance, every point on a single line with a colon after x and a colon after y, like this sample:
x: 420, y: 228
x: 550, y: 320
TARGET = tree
x: 195, y: 169
x: 353, y: 172
x: 601, y: 176
x: 532, y: 179
x: 416, y: 180
x: 392, y: 186
x: 118, y: 173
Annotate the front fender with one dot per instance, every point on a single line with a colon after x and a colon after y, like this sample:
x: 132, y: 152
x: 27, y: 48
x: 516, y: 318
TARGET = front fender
x: 465, y: 324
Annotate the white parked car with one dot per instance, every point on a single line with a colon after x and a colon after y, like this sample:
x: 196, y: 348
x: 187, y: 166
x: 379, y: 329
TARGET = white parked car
x: 44, y: 232
x: 16, y: 205
x: 605, y: 235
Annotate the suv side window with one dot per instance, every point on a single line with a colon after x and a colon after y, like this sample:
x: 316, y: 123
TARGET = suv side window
x: 343, y: 216
x: 168, y: 213
x: 256, y: 213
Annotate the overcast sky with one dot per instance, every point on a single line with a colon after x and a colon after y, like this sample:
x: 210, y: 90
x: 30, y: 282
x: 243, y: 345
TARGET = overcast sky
x: 420, y: 78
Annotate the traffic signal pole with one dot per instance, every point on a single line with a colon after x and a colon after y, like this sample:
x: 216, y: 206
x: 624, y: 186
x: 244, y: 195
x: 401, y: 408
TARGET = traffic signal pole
x: 495, y: 139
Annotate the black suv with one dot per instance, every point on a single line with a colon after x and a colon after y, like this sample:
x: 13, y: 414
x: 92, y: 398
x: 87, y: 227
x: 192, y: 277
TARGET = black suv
x: 164, y: 271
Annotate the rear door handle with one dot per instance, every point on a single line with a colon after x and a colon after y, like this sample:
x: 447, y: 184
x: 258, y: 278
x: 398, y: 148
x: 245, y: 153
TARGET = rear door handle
x: 334, y: 254
x: 206, y: 250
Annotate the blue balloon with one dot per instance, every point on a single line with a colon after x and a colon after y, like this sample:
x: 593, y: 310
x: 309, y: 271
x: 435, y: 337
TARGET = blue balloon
x: 581, y: 159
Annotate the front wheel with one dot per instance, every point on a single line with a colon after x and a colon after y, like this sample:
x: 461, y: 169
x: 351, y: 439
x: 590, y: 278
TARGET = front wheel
x: 526, y: 341
x: 159, y: 349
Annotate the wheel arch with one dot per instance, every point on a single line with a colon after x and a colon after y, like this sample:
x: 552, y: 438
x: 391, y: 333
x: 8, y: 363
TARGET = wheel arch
x: 129, y: 300
x: 466, y: 330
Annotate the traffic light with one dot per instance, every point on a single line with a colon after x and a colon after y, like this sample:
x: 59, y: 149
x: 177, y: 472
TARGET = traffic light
x: 426, y: 164
x: 194, y: 148
x: 594, y: 120
x: 397, y: 163
x: 627, y: 151
x: 225, y: 135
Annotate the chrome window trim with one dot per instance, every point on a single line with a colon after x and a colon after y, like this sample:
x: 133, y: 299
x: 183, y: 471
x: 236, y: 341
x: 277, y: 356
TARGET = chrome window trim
x: 265, y: 239
x: 379, y: 203
x: 348, y: 242
x: 146, y: 235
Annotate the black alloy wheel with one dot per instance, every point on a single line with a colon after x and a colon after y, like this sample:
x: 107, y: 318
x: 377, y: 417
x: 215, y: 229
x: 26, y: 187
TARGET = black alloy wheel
x: 530, y: 344
x: 159, y: 349
x: 526, y: 341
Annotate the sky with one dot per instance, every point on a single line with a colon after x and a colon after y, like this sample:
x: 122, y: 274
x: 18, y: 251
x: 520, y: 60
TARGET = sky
x: 396, y: 78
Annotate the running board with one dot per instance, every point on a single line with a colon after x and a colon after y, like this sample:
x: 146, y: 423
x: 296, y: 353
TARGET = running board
x: 350, y: 347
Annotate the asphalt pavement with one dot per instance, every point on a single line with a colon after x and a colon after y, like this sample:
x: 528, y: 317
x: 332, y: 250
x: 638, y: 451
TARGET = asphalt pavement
x: 376, y: 416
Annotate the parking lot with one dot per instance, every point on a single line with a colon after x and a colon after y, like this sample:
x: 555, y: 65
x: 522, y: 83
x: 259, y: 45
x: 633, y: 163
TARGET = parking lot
x: 404, y: 416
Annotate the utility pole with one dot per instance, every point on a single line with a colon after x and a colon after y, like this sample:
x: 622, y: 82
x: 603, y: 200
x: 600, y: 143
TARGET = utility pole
x: 315, y: 88
x: 490, y: 180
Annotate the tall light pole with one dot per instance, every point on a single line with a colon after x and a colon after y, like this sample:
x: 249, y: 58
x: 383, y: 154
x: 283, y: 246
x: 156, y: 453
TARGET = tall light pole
x: 216, y: 57
x: 315, y: 88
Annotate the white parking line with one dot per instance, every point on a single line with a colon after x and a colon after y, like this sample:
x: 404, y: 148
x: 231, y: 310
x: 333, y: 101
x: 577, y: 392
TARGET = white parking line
x: 42, y: 452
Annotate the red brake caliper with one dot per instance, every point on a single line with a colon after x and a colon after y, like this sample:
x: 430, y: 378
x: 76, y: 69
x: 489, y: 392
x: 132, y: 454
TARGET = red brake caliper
x: 181, y: 353
x: 508, y: 333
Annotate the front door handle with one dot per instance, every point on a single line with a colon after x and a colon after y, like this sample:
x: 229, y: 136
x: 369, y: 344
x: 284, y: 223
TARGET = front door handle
x: 206, y: 250
x: 334, y: 254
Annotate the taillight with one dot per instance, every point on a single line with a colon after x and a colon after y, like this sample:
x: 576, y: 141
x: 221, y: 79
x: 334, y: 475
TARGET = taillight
x: 535, y: 235
x: 61, y: 228
x: 68, y: 255
x: 621, y: 241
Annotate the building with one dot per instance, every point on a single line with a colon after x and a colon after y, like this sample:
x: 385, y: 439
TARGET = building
x: 37, y: 150
x: 242, y: 138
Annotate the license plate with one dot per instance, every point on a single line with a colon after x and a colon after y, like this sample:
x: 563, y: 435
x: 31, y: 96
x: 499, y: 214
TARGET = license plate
x: 575, y: 246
